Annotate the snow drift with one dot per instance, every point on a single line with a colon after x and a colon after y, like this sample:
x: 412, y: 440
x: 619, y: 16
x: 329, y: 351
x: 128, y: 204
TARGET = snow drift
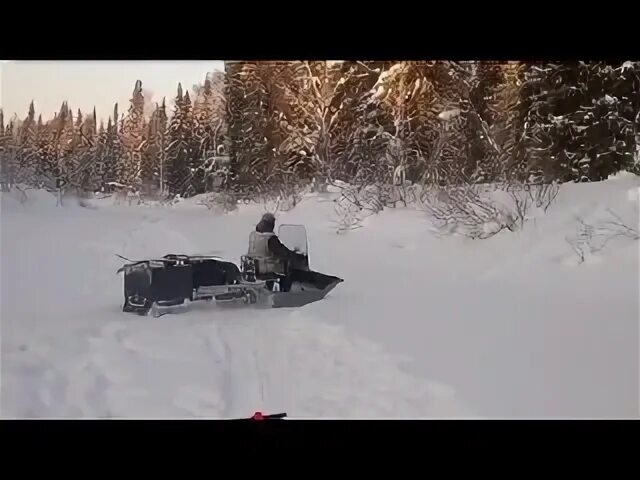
x: 422, y: 326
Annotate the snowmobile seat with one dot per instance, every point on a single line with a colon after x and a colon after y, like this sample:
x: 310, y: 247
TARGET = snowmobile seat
x: 210, y: 272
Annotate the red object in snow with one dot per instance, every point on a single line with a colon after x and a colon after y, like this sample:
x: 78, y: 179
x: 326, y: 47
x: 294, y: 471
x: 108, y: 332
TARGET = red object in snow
x: 258, y: 416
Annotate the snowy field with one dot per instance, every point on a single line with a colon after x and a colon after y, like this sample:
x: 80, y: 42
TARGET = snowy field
x: 422, y: 326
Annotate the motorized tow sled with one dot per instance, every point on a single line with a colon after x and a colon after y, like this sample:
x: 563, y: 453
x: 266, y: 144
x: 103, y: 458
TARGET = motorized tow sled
x: 154, y: 284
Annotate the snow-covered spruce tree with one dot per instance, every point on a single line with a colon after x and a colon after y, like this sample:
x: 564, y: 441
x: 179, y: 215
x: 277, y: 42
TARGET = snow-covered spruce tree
x: 85, y: 138
x: 496, y: 121
x: 290, y: 168
x: 89, y: 131
x: 449, y: 160
x: 210, y: 129
x: 9, y: 156
x: 360, y: 142
x: 112, y: 153
x: 324, y: 98
x: 210, y: 110
x: 396, y: 95
x: 581, y: 118
x: 92, y: 179
x: 133, y: 140
x: 194, y: 157
x: 26, y: 159
x: 635, y: 168
x: 153, y: 159
x: 256, y: 103
x: 359, y: 137
x: 6, y: 154
x: 3, y: 153
x: 276, y: 120
x: 46, y: 153
x: 110, y: 158
x: 68, y: 162
x: 428, y: 105
x: 179, y: 151
x: 57, y: 161
x: 306, y: 118
x: 103, y: 152
x: 237, y: 75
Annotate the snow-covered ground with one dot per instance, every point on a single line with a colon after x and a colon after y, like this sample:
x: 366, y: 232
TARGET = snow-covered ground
x: 421, y: 327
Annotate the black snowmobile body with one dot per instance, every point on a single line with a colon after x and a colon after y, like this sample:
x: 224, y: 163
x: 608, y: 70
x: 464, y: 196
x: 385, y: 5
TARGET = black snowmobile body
x: 175, y: 279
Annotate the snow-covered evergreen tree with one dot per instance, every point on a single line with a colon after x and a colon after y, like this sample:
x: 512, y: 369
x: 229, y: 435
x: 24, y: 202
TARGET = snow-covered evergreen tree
x: 112, y: 153
x: 133, y: 140
x: 154, y: 164
x: 496, y: 121
x: 309, y: 122
x: 581, y: 118
x: 180, y: 152
x: 210, y: 130
x: 427, y: 104
x: 251, y: 126
x: 26, y: 159
x: 5, y: 173
x: 359, y: 135
x: 98, y: 176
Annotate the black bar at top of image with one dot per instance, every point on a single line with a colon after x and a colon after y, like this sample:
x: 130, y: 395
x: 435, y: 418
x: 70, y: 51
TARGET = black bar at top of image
x: 471, y: 34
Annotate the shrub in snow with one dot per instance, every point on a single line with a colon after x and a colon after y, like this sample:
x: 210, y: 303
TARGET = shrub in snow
x: 348, y: 216
x: 220, y: 201
x: 464, y: 210
x: 526, y: 199
x: 22, y: 193
x: 482, y: 211
x: 590, y: 239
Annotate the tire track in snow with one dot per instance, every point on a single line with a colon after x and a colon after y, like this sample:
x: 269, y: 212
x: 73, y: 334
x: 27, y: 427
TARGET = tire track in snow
x: 227, y: 383
x: 137, y: 345
x: 256, y: 355
x: 242, y: 389
x: 154, y: 369
x: 242, y: 384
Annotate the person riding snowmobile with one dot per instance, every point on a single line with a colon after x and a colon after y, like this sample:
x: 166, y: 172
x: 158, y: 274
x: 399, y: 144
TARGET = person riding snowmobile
x: 272, y: 256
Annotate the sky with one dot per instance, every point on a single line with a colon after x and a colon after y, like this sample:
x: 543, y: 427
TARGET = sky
x: 85, y: 84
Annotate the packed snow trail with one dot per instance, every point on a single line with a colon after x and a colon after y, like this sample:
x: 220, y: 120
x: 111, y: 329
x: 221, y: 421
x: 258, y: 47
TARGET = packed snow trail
x: 426, y: 327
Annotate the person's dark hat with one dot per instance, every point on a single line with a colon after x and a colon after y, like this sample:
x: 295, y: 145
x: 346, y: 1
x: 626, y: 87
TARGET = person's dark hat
x: 267, y: 223
x: 269, y: 218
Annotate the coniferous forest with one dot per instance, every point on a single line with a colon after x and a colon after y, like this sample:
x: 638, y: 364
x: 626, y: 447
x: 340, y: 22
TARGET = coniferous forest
x: 277, y: 128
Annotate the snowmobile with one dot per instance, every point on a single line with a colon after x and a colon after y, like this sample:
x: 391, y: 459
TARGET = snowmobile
x: 155, y: 285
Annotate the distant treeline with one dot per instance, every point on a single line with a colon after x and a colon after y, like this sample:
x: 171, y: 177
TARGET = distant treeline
x: 277, y: 126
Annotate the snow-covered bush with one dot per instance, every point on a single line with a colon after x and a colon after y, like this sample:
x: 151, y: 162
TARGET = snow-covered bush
x: 466, y: 210
x: 22, y: 193
x: 348, y: 216
x: 593, y: 238
x: 480, y: 211
x: 219, y: 201
x: 526, y: 197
